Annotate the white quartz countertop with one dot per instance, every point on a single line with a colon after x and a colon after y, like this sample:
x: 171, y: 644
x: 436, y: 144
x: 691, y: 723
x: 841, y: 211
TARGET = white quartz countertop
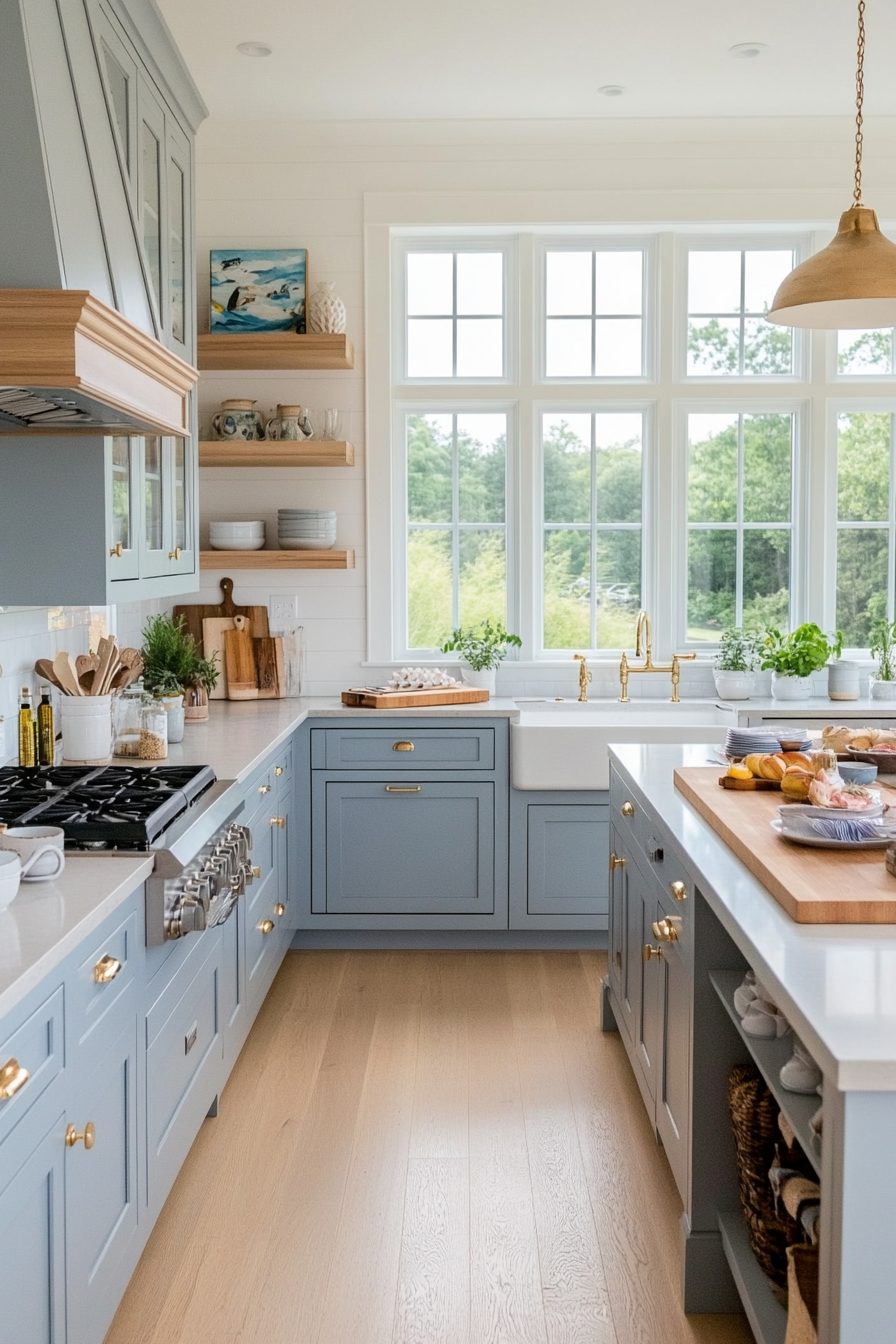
x: 817, y: 707
x: 836, y: 983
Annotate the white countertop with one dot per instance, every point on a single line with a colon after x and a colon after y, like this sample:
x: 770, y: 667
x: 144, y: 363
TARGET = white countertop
x: 836, y: 983
x: 817, y: 707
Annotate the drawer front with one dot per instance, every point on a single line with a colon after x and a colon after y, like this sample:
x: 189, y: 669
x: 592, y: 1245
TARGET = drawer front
x: 568, y: 857
x: 396, y: 749
x: 36, y: 1048
x: 102, y: 978
x: 281, y: 765
x: 262, y: 938
x: 413, y: 848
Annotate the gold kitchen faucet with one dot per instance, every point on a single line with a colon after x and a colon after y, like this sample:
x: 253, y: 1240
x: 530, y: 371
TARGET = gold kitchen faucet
x: 643, y: 648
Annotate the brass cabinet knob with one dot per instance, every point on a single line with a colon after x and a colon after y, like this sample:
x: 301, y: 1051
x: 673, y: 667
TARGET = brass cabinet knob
x: 652, y: 952
x: 665, y: 931
x: 13, y: 1077
x: 278, y: 770
x: 266, y: 926
x: 279, y: 909
x: 106, y: 969
x: 679, y: 891
x: 117, y: 550
x: 627, y: 809
x: 256, y: 870
x: 89, y: 1136
x: 264, y: 788
x: 616, y: 861
x: 175, y: 554
x: 402, y: 746
x: 278, y: 821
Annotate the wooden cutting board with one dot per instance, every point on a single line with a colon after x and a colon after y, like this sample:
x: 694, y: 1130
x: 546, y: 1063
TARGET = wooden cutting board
x: 239, y: 656
x: 815, y: 886
x: 195, y: 615
x: 269, y: 668
x: 446, y: 695
x: 213, y: 628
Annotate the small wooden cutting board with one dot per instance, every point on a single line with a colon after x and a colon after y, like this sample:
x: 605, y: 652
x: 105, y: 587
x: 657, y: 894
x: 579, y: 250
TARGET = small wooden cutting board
x: 195, y: 615
x: 269, y: 667
x: 213, y: 630
x: 815, y: 886
x: 446, y: 695
x: 239, y: 657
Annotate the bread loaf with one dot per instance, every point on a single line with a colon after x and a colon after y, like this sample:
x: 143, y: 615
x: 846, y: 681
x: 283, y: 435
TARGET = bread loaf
x: 772, y: 767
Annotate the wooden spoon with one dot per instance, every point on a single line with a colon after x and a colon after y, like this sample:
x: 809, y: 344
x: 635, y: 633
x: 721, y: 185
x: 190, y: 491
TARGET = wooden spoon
x: 66, y: 676
x: 44, y: 669
x: 106, y: 651
x: 86, y: 662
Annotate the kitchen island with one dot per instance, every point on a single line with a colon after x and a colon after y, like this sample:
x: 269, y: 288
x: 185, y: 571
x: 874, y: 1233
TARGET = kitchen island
x: 836, y: 984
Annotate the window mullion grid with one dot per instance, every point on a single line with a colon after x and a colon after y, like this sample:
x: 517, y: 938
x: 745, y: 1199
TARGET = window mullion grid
x: 455, y: 519
x: 739, y: 545
x: 454, y: 320
x: 742, y: 320
x: 593, y: 323
x: 592, y: 549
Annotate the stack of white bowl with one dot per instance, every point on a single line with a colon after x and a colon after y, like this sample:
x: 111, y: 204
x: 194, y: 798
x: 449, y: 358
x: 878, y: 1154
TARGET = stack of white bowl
x: 225, y: 536
x: 306, y: 529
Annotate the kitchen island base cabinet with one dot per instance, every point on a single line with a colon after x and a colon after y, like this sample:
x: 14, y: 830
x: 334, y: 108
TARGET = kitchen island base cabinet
x: 32, y: 1238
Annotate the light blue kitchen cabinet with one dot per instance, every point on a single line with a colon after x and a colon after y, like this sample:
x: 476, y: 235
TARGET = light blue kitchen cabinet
x: 559, y: 851
x: 673, y: 1039
x: 32, y: 1236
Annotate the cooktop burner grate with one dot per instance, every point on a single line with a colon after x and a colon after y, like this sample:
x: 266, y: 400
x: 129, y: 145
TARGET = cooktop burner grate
x: 102, y: 807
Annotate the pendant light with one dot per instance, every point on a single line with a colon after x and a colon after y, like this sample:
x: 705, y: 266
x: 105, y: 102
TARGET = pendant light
x: 851, y: 282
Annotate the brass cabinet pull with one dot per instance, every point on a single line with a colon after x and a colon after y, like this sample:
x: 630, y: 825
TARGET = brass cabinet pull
x: 404, y: 788
x: 679, y: 891
x: 264, y: 788
x: 117, y: 550
x: 13, y: 1077
x: 616, y: 861
x: 279, y: 909
x: 627, y: 809
x: 665, y: 931
x: 652, y: 952
x: 89, y: 1136
x: 278, y: 821
x: 256, y: 870
x: 278, y: 770
x: 175, y: 554
x: 402, y: 746
x: 266, y: 926
x: 106, y: 969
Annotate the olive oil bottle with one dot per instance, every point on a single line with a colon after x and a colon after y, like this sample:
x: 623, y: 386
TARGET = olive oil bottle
x: 27, y: 733
x: 46, y: 735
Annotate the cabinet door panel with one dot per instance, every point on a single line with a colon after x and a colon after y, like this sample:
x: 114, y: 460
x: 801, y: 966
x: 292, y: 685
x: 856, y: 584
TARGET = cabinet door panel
x: 568, y: 856
x: 101, y: 1188
x: 617, y: 941
x: 410, y: 848
x: 672, y: 1110
x: 32, y: 1246
x: 644, y: 977
x: 124, y: 509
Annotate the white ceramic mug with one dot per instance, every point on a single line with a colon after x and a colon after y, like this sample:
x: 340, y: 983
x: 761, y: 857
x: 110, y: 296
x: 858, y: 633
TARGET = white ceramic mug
x: 39, y: 850
x: 10, y: 876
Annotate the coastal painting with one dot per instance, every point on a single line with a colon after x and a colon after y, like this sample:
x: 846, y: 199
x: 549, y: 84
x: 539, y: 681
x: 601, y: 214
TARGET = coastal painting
x: 258, y: 289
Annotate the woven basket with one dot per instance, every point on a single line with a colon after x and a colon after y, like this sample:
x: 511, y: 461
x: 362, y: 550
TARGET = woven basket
x: 754, y: 1116
x: 802, y: 1295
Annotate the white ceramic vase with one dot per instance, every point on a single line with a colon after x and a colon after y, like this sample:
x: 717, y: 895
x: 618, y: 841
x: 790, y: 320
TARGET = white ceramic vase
x: 326, y: 311
x: 883, y: 690
x: 843, y: 680
x: 790, y: 688
x: 485, y: 679
x: 734, y: 685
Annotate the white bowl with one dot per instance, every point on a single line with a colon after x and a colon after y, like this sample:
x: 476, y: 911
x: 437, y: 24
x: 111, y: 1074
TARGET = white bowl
x: 236, y: 543
x: 237, y: 529
x: 307, y: 544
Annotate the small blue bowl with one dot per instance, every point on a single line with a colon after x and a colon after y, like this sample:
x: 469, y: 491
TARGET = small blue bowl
x: 857, y: 772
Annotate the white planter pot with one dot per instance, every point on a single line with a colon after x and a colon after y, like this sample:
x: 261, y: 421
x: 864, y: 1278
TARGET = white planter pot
x: 790, y: 688
x: 484, y: 680
x: 734, y: 685
x: 843, y: 680
x: 883, y: 690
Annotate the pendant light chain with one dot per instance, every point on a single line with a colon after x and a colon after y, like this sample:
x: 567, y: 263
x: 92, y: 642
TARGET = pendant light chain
x: 860, y: 98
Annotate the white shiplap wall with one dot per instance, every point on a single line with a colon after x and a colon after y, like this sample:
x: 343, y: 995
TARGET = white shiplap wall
x: 303, y: 184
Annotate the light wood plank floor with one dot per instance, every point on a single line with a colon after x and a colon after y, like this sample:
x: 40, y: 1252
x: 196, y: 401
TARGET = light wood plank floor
x: 423, y: 1148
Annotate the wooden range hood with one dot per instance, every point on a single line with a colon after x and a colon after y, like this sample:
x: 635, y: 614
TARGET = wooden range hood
x: 71, y: 364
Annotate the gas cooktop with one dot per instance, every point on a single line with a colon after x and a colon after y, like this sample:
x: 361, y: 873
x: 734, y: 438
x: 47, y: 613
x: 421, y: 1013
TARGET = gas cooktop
x: 102, y: 807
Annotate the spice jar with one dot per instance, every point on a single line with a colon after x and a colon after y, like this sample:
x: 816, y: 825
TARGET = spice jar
x: 126, y: 711
x: 153, y: 730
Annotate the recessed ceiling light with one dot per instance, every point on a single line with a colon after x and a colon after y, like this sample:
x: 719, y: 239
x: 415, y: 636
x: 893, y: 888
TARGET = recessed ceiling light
x: 612, y: 90
x: 254, y: 49
x: 747, y: 51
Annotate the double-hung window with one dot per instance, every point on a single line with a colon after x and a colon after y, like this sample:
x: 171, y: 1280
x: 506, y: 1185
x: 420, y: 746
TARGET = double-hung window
x: 866, y: 523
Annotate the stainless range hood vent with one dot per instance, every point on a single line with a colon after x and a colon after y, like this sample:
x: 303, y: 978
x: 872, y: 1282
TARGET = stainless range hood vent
x: 20, y: 408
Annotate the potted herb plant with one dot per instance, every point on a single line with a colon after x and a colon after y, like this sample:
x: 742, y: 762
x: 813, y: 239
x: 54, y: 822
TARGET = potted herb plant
x: 735, y: 666
x: 481, y: 648
x: 883, y: 648
x: 843, y: 675
x: 174, y: 668
x: 793, y: 658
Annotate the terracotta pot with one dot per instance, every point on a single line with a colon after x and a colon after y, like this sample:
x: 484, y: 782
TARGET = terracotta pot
x: 195, y: 704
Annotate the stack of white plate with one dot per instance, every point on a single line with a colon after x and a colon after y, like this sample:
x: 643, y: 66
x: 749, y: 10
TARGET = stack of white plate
x: 742, y: 741
x: 306, y: 529
x: 225, y: 536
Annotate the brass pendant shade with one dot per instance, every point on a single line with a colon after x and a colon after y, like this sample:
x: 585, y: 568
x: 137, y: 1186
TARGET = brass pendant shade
x: 850, y: 283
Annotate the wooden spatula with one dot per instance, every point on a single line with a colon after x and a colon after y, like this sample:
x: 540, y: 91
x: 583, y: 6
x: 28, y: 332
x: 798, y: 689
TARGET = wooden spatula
x: 66, y: 676
x: 44, y: 669
x: 239, y: 658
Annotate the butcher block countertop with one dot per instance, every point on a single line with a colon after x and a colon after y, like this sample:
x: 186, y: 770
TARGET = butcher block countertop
x: 815, y: 886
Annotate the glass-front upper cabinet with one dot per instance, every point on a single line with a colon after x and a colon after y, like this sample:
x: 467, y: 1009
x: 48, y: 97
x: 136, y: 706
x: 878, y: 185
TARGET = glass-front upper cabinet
x: 168, y: 516
x: 124, y: 525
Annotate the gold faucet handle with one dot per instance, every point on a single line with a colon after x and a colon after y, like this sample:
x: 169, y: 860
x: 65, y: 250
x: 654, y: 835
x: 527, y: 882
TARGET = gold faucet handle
x: 685, y: 657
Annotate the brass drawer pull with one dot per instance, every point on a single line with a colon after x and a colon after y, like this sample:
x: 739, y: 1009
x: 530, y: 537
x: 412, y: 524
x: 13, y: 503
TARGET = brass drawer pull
x: 106, y: 969
x: 627, y: 809
x: 404, y: 788
x: 117, y: 550
x: 278, y: 821
x: 279, y: 909
x: 266, y: 926
x: 13, y: 1077
x: 616, y: 862
x: 402, y: 746
x: 264, y: 788
x: 89, y: 1136
x: 665, y: 931
x: 652, y: 952
x: 278, y: 770
x: 679, y: 891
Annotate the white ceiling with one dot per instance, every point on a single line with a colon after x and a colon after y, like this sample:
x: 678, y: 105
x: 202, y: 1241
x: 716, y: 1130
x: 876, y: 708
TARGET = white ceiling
x: 375, y: 59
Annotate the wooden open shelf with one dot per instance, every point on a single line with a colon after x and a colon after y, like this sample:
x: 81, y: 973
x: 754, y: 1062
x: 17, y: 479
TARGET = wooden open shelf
x: 276, y: 559
x: 274, y: 350
x: 276, y: 453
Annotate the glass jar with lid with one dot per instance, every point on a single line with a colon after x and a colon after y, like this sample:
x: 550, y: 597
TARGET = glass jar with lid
x: 126, y: 712
x: 153, y: 730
